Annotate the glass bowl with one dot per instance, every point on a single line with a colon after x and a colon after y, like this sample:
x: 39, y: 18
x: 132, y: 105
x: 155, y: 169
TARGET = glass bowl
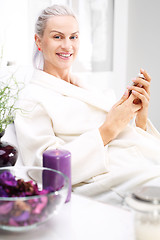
x: 25, y: 213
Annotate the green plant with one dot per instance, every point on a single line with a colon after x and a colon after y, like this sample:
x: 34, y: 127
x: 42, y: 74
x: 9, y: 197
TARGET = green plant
x: 9, y: 90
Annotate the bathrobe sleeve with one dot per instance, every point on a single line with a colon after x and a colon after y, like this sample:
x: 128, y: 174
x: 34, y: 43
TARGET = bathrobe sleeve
x: 150, y: 129
x: 35, y: 134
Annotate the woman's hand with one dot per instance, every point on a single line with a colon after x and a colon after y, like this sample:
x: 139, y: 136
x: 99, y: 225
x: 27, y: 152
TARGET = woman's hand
x: 118, y: 117
x: 142, y: 92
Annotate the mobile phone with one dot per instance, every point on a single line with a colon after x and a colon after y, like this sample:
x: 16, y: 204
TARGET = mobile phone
x: 135, y: 84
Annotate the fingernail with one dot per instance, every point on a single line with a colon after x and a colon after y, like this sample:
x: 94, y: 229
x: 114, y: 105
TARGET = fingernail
x: 142, y: 70
x: 133, y: 91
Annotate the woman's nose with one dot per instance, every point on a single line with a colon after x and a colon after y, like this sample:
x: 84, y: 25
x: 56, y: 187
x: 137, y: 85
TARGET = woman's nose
x: 66, y: 44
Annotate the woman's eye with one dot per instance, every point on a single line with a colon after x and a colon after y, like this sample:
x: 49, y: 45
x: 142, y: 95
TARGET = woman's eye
x: 73, y: 37
x: 57, y: 37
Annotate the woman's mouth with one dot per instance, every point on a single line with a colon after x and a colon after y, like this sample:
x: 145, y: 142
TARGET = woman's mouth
x: 64, y: 56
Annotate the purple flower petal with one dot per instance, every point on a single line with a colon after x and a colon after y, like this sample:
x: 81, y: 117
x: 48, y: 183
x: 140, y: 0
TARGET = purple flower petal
x: 42, y: 192
x: 40, y: 205
x: 10, y: 187
x: 23, y: 217
x: 6, y: 178
x: 12, y: 222
x: 6, y: 208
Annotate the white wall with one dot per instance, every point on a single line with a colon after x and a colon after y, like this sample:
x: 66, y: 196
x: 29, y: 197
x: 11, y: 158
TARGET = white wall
x: 120, y: 46
x: 144, y: 48
x: 14, y: 31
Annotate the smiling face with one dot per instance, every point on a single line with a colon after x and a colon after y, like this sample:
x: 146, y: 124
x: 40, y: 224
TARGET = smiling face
x: 59, y: 44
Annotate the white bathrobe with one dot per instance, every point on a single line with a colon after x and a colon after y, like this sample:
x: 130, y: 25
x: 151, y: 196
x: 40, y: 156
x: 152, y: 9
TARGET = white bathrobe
x: 59, y: 114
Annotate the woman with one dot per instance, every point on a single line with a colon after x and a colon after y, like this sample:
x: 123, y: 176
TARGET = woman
x: 60, y: 111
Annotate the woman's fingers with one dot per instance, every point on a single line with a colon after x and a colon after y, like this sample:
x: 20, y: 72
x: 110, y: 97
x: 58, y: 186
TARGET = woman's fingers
x: 131, y: 102
x: 123, y: 98
x: 146, y: 75
x: 141, y: 83
x: 142, y: 97
x: 140, y: 90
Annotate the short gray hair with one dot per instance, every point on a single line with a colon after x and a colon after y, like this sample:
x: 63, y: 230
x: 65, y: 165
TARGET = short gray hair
x: 54, y: 10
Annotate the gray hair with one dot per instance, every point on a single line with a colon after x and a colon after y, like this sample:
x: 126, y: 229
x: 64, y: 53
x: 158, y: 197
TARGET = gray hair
x: 54, y: 10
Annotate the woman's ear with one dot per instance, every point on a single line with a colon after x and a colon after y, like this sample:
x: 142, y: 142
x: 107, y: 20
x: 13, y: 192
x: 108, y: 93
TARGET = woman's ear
x: 38, y: 41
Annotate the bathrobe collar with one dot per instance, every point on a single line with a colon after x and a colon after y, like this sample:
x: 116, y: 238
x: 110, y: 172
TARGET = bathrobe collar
x: 67, y: 89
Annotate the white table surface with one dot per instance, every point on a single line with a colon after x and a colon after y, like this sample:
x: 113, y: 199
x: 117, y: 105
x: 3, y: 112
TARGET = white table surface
x: 81, y: 219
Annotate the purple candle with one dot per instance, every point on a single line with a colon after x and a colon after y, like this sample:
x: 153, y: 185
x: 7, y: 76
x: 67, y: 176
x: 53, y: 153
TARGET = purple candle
x: 58, y: 159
